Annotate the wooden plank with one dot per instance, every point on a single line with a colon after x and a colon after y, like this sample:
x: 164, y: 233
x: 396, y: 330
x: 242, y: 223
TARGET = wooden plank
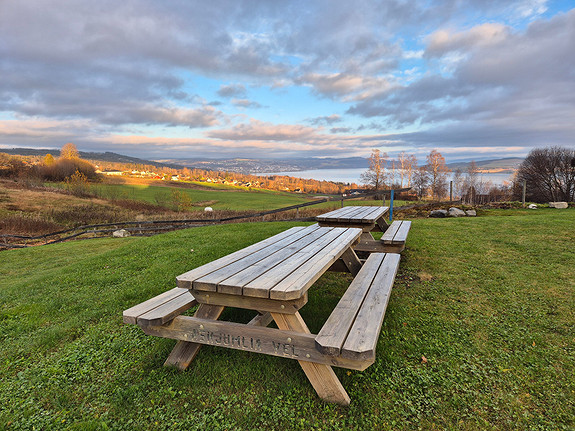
x: 211, y: 281
x: 261, y: 286
x: 168, y: 310
x: 351, y: 261
x: 332, y: 335
x: 185, y: 280
x: 281, y: 258
x: 258, y: 339
x: 366, y: 227
x: 321, y: 377
x: 184, y: 351
x: 131, y: 314
x: 250, y: 303
x: 387, y: 237
x: 356, y: 215
x: 334, y: 215
x: 401, y: 235
x: 263, y: 319
x: 362, y: 338
x: 301, y: 279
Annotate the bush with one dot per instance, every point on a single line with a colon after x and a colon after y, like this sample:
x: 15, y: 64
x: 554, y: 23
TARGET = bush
x: 62, y: 169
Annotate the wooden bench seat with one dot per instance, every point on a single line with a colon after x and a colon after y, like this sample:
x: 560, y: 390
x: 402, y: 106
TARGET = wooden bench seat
x: 160, y: 309
x: 352, y: 329
x: 396, y: 235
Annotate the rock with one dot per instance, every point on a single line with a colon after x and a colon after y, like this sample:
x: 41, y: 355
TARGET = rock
x: 121, y: 233
x: 208, y: 209
x: 438, y: 213
x: 560, y: 205
x: 456, y: 212
x: 532, y: 206
x: 471, y: 213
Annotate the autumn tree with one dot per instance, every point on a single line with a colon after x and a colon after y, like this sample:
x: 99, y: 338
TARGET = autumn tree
x: 438, y: 171
x: 69, y: 151
x: 48, y: 160
x: 375, y: 176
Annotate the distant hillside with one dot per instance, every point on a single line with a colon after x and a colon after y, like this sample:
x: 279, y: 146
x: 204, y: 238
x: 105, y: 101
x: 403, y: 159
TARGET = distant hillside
x: 505, y: 165
x: 103, y: 157
x: 250, y: 166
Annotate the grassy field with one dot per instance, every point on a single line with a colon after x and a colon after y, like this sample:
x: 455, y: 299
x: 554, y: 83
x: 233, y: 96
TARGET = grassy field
x: 479, y: 334
x: 217, y: 196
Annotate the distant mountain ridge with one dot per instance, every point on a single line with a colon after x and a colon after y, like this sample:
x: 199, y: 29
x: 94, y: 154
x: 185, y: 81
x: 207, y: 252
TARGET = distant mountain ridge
x: 504, y: 165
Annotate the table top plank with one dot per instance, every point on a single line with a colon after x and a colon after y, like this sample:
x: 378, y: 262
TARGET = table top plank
x: 260, y: 286
x: 335, y: 213
x: 300, y: 280
x: 354, y: 214
x: 278, y: 258
x: 209, y: 282
x: 185, y: 280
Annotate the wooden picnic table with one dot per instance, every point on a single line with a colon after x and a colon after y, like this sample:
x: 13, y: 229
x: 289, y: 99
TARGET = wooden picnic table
x: 273, y: 277
x: 369, y: 219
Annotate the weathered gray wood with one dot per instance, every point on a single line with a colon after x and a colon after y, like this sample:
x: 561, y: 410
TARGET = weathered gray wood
x: 184, y: 351
x: 185, y: 280
x: 300, y: 280
x: 131, y: 314
x: 211, y: 282
x: 262, y: 319
x: 283, y: 342
x: 354, y: 214
x: 387, y: 237
x: 168, y: 310
x: 351, y: 261
x: 334, y: 215
x: 362, y: 339
x: 401, y: 235
x: 321, y: 377
x: 250, y: 303
x: 261, y: 286
x: 280, y: 259
x: 332, y: 335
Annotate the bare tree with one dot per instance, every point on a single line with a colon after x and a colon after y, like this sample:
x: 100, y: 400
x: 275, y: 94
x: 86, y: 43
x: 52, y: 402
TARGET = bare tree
x: 410, y: 167
x: 420, y: 182
x: 438, y: 171
x: 549, y: 173
x: 458, y: 183
x: 375, y: 176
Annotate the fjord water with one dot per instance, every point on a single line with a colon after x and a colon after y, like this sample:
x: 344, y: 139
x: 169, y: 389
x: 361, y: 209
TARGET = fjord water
x: 353, y: 175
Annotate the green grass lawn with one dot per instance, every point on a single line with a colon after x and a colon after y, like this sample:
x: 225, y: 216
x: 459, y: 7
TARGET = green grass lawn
x: 217, y: 196
x: 489, y: 302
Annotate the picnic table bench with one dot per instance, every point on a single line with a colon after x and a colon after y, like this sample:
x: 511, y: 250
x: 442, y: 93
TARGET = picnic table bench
x: 273, y: 277
x: 370, y: 219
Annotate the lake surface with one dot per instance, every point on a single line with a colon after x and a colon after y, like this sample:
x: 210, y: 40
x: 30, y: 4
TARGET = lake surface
x: 352, y: 175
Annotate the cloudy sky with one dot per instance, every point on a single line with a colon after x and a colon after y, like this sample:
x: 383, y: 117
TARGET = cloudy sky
x: 474, y: 79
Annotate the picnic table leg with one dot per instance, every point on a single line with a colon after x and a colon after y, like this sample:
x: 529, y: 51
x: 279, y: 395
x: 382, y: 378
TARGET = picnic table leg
x: 382, y: 224
x: 184, y: 352
x: 322, y: 377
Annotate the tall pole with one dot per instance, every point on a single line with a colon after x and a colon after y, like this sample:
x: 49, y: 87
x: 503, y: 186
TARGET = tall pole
x: 391, y: 206
x: 524, y: 190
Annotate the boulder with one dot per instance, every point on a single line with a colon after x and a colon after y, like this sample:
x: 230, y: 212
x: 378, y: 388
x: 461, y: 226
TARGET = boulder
x: 208, y: 209
x: 532, y: 206
x: 471, y: 213
x: 438, y: 213
x: 456, y: 212
x: 121, y: 233
x: 560, y: 205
